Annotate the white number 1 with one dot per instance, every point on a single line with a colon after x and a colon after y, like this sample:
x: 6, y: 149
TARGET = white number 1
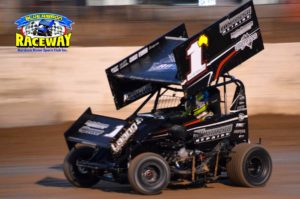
x: 195, y: 54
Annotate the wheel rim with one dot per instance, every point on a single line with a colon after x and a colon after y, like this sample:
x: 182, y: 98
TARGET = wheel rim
x: 257, y: 167
x: 151, y: 175
x: 80, y: 169
x: 254, y: 167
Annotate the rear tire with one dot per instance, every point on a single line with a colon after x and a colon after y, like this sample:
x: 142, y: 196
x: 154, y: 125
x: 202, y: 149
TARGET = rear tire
x: 149, y: 173
x: 249, y: 165
x: 79, y: 177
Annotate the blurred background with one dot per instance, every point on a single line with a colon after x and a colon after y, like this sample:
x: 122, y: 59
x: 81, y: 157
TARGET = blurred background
x: 50, y: 88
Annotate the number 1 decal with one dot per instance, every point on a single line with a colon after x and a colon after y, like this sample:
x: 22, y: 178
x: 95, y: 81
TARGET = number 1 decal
x: 195, y: 54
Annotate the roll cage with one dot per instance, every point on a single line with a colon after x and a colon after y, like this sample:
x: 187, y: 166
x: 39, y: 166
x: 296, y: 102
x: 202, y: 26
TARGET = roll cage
x: 221, y: 84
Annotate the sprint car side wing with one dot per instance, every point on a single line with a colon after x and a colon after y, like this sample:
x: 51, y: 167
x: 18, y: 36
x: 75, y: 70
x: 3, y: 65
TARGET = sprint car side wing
x: 219, y: 48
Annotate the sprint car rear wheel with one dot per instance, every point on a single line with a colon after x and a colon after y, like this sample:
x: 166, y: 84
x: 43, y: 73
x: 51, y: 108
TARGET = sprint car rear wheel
x: 78, y: 176
x: 149, y: 173
x: 249, y: 165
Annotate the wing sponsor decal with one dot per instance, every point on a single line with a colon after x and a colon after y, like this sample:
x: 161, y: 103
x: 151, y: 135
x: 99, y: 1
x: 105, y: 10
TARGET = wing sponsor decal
x: 241, y: 30
x: 123, y: 64
x: 130, y: 96
x: 93, y: 128
x: 167, y: 63
x: 97, y: 125
x: 246, y: 41
x: 143, y: 52
x: 114, y: 69
x: 133, y: 58
x: 90, y: 131
x: 156, y: 67
x: 231, y: 23
x: 120, y: 66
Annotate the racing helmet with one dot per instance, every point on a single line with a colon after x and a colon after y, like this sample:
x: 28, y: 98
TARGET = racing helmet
x: 201, y: 103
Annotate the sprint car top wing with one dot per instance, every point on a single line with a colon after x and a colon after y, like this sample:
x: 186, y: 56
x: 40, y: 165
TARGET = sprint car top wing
x: 146, y: 69
x: 218, y: 49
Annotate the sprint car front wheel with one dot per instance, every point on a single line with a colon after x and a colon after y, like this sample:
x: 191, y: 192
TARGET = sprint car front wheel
x: 77, y: 176
x: 249, y: 165
x: 148, y: 173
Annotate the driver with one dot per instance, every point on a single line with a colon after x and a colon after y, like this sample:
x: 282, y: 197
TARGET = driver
x: 198, y: 106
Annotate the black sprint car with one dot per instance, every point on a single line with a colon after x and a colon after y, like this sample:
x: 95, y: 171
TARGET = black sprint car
x: 153, y: 149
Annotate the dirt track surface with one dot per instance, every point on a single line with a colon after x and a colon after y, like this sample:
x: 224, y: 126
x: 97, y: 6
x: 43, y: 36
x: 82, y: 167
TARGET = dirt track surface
x: 31, y: 165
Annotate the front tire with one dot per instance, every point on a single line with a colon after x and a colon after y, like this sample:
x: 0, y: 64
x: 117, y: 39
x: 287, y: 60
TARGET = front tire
x: 249, y: 165
x: 149, y: 173
x: 79, y: 177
